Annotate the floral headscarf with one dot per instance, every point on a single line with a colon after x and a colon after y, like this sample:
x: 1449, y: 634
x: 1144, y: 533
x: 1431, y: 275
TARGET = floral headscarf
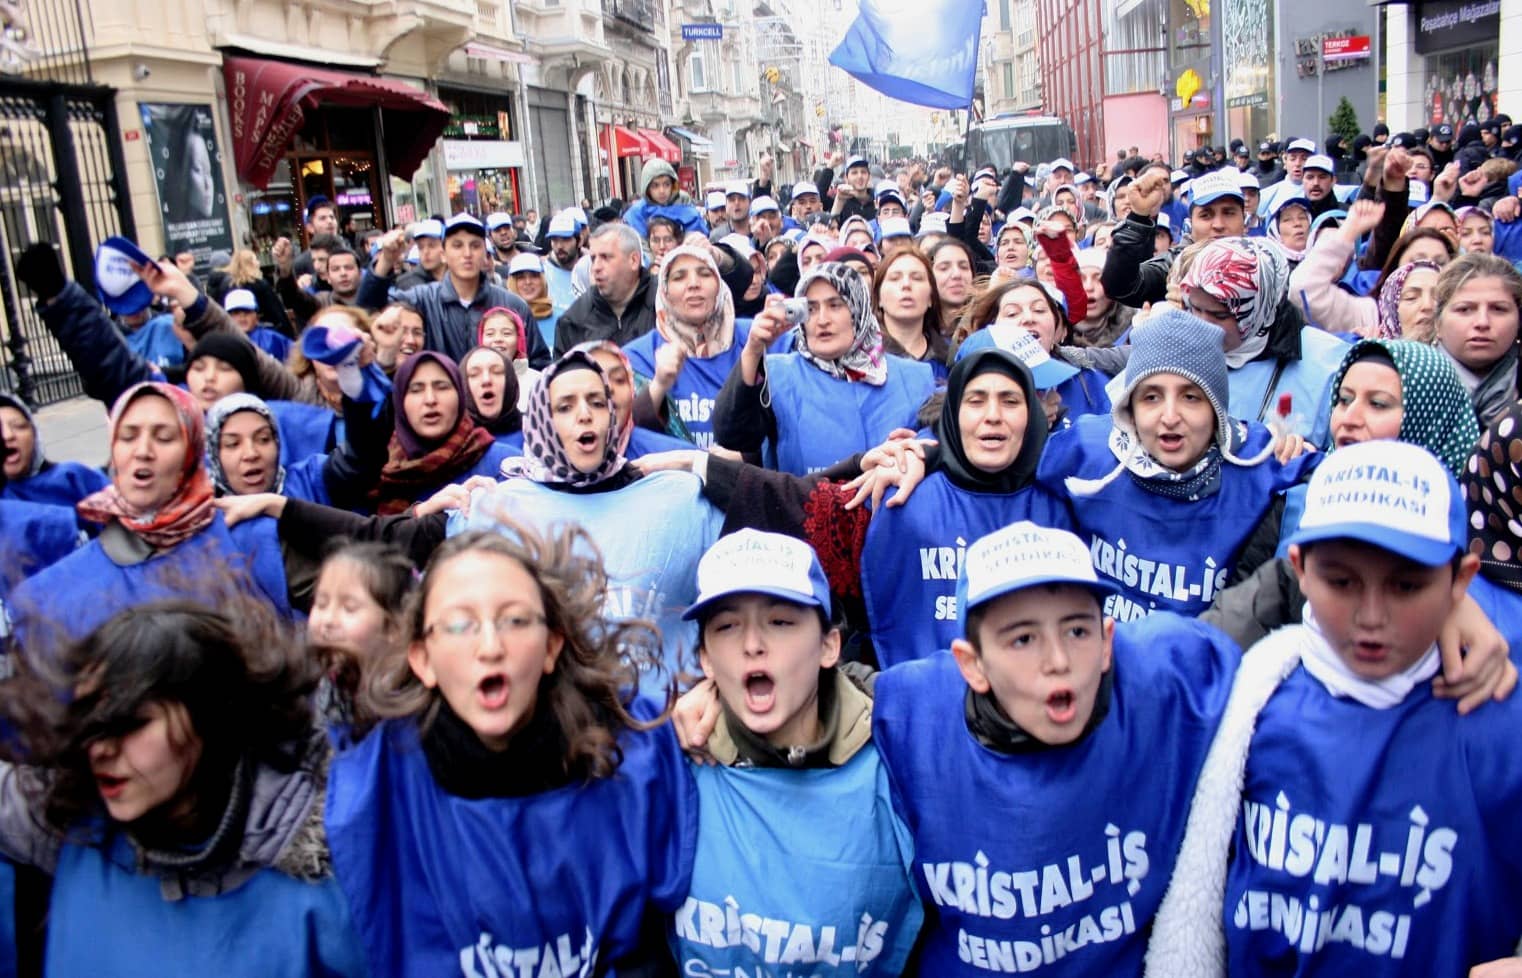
x: 217, y: 417
x: 1388, y: 299
x: 866, y: 360
x: 1435, y: 409
x: 711, y: 338
x: 544, y: 458
x: 185, y: 513
x: 1251, y: 277
x: 1492, y: 483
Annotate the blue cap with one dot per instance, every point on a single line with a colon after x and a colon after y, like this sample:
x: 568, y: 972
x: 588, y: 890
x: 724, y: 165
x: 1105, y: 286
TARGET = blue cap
x: 1020, y: 556
x: 753, y: 562
x: 315, y: 201
x: 1392, y: 494
x: 498, y: 219
x: 120, y: 287
x: 856, y: 161
x: 1046, y: 371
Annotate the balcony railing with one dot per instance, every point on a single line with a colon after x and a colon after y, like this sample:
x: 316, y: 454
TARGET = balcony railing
x: 636, y: 13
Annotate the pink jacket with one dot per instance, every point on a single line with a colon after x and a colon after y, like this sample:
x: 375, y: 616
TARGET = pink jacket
x: 1313, y: 287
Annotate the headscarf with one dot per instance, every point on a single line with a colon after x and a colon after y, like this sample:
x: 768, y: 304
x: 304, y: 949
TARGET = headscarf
x: 38, y: 459
x: 544, y: 459
x: 522, y: 352
x: 1492, y: 484
x: 1436, y: 412
x: 415, y: 465
x: 953, y: 459
x: 865, y: 360
x: 1388, y: 300
x: 509, y: 419
x: 185, y: 513
x: 217, y: 417
x: 1251, y: 277
x: 236, y: 352
x: 1293, y: 254
x: 626, y: 430
x: 708, y: 339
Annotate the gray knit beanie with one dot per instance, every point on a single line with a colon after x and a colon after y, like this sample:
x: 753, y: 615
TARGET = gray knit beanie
x: 1174, y: 342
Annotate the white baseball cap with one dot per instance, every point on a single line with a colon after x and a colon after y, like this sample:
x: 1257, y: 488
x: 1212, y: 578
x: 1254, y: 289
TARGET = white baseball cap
x: 240, y: 300
x: 1302, y: 144
x: 1020, y: 556
x: 894, y: 227
x: 1392, y: 494
x: 752, y: 562
x: 525, y: 263
x: 1212, y: 187
x: 762, y: 205
x: 1021, y: 214
x: 715, y: 200
x: 1083, y: 178
x: 427, y: 229
x: 1320, y: 162
x: 737, y: 188
x: 1248, y: 181
x: 1014, y: 338
x: 1178, y: 176
x: 739, y: 243
x: 497, y: 219
x: 1062, y: 162
x: 464, y: 223
x: 934, y: 223
x: 562, y: 225
x: 804, y: 187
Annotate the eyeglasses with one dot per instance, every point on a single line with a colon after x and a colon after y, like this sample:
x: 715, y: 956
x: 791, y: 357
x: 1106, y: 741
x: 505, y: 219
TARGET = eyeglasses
x: 464, y: 631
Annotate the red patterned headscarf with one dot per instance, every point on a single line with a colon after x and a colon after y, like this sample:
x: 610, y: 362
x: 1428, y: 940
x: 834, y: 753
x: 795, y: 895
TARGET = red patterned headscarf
x: 1250, y: 276
x: 185, y: 513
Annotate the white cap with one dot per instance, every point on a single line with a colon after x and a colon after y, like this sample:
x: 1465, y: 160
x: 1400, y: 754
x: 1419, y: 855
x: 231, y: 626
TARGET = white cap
x: 763, y: 204
x: 1163, y: 221
x: 1091, y: 257
x: 804, y: 187
x: 885, y: 187
x: 934, y: 223
x: 894, y: 227
x: 1392, y: 494
x: 1083, y: 178
x: 1302, y: 144
x: 578, y: 215
x: 737, y: 188
x: 1213, y: 186
x: 1021, y: 214
x: 497, y: 219
x: 715, y: 200
x: 740, y: 244
x: 1178, y: 176
x: 413, y: 256
x: 240, y: 300
x: 427, y: 229
x: 1020, y: 556
x: 1319, y: 162
x: 753, y: 562
x: 1417, y: 192
x: 562, y: 225
x: 1062, y: 162
x: 525, y: 263
x: 1248, y: 180
x: 463, y: 222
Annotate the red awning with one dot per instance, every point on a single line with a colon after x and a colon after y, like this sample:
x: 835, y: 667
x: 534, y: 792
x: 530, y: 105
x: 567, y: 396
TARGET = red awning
x: 627, y: 142
x: 268, y: 102
x: 663, y: 147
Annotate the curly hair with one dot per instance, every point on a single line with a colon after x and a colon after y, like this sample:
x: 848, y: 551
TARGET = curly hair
x: 359, y: 319
x: 239, y: 672
x: 983, y: 309
x: 596, y: 675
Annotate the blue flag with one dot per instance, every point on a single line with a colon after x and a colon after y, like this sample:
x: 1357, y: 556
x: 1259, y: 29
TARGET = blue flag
x: 919, y: 51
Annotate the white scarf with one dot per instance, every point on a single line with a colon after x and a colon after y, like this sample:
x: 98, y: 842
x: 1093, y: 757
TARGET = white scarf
x: 1327, y: 668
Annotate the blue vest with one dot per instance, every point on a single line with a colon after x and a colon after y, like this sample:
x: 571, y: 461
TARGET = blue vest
x: 1085, y: 394
x: 305, y: 480
x: 643, y: 441
x: 60, y: 484
x: 1306, y: 380
x: 553, y: 883
x: 913, y: 554
x: 557, y: 282
x: 651, y: 533
x: 108, y: 919
x: 276, y: 344
x: 1164, y: 554
x: 798, y: 871
x: 546, y: 327
x: 305, y: 430
x: 1376, y: 842
x: 34, y: 536
x: 1503, y: 607
x: 701, y: 378
x: 84, y: 589
x: 822, y: 420
x: 156, y: 342
x: 1061, y: 853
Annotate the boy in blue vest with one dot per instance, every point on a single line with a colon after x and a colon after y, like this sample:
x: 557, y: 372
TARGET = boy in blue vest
x: 1044, y: 767
x: 800, y: 867
x: 1346, y: 820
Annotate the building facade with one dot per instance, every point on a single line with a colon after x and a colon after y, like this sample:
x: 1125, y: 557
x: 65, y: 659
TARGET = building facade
x: 1452, y: 62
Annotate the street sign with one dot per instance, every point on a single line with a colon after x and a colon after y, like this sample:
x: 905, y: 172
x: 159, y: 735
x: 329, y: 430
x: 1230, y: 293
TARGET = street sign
x: 1345, y: 48
x: 702, y: 32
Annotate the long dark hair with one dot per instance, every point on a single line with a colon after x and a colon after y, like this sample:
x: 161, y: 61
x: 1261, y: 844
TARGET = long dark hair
x: 1397, y: 256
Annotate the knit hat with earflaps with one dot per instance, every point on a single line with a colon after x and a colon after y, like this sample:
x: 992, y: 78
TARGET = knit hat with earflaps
x: 1174, y: 342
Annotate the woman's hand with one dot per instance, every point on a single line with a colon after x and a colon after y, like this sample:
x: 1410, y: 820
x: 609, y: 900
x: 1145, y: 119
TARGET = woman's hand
x: 238, y: 509
x: 695, y: 715
x: 1363, y: 217
x: 1475, y: 663
x: 669, y: 360
x: 680, y: 460
x: 453, y: 497
x: 1290, y: 446
x: 900, y: 462
x: 165, y: 279
x: 770, y: 323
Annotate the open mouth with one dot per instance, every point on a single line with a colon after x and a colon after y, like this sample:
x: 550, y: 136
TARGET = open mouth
x: 1170, y: 443
x: 587, y: 441
x: 109, y: 786
x: 492, y: 692
x: 1062, y: 706
x: 760, y: 692
x: 253, y: 476
x: 431, y: 418
x: 1371, y: 652
x: 486, y: 397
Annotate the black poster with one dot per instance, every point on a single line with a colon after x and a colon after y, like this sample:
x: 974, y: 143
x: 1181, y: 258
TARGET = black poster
x: 187, y: 168
x: 1447, y: 24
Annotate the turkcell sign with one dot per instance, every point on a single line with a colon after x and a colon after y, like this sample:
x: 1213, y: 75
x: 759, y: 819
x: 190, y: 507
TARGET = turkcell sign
x: 702, y: 32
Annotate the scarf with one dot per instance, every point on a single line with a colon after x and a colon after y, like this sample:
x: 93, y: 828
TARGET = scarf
x: 518, y: 327
x: 216, y: 418
x: 540, y: 308
x: 865, y: 360
x: 710, y: 337
x: 1435, y: 408
x: 992, y: 727
x: 533, y: 762
x: 1251, y: 277
x: 1296, y: 255
x: 544, y: 458
x: 953, y: 455
x: 1327, y: 668
x: 415, y: 466
x: 1199, y: 481
x: 1388, y: 300
x: 509, y: 419
x: 1492, y: 483
x: 188, y: 511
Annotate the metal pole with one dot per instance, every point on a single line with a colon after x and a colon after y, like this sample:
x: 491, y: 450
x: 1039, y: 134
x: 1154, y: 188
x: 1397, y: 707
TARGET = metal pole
x: 1320, y: 88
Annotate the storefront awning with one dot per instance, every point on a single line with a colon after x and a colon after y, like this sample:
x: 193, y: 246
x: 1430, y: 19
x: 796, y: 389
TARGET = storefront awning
x: 627, y: 142
x: 268, y: 102
x: 663, y: 147
x: 700, y: 145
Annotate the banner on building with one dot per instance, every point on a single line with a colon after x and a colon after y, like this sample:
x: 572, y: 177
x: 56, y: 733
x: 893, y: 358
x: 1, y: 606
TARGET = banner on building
x: 187, y: 172
x: 1447, y: 24
x: 920, y: 51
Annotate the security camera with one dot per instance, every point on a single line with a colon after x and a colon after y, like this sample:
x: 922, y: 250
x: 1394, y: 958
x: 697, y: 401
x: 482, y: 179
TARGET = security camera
x: 141, y: 71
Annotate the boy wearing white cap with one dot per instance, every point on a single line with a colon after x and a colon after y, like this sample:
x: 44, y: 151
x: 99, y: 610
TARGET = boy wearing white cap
x: 797, y: 777
x: 1044, y: 767
x: 242, y: 308
x: 1347, y: 821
